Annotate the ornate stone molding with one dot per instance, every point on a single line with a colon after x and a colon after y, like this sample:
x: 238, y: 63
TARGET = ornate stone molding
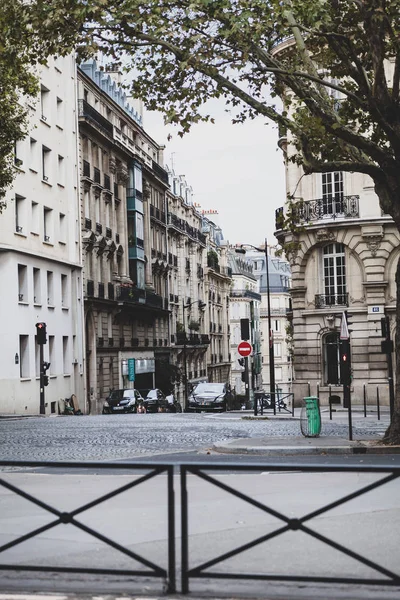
x: 373, y: 244
x: 122, y: 174
x: 325, y: 235
x: 373, y: 237
x: 112, y: 164
x: 100, y: 245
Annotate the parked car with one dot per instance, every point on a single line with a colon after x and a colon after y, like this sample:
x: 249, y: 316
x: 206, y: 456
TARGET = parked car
x: 155, y: 401
x: 211, y: 397
x: 122, y: 401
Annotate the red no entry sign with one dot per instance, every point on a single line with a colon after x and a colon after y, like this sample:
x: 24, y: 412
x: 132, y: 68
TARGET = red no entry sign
x: 245, y: 349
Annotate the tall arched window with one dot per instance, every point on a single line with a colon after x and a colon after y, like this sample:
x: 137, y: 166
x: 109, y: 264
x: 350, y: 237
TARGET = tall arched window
x: 332, y: 193
x: 331, y: 358
x: 334, y: 275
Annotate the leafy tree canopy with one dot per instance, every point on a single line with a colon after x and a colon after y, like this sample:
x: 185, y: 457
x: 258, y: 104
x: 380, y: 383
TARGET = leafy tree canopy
x: 337, y: 60
x: 186, y: 52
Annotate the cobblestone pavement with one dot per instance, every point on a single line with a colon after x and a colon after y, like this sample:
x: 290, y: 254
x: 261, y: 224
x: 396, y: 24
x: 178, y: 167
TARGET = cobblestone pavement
x: 113, y: 437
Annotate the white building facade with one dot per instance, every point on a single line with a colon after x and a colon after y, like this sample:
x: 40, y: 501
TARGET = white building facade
x: 40, y: 253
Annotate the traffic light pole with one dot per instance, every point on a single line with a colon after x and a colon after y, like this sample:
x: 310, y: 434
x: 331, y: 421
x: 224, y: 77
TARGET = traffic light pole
x: 42, y: 374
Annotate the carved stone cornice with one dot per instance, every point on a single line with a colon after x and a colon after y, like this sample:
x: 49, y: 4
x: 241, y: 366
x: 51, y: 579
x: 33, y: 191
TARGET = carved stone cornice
x: 111, y: 248
x: 100, y: 245
x: 88, y: 240
x: 112, y: 164
x: 122, y: 174
x: 325, y: 235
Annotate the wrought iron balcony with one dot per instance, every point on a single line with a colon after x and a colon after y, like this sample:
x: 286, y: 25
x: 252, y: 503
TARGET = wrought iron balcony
x: 86, y: 168
x: 93, y: 116
x: 327, y: 300
x: 333, y: 207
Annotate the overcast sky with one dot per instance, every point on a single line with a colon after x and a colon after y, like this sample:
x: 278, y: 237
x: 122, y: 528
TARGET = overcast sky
x: 234, y: 169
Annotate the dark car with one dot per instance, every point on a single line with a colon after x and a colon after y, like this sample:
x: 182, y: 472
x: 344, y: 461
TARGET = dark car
x: 211, y: 397
x: 155, y: 401
x: 122, y: 401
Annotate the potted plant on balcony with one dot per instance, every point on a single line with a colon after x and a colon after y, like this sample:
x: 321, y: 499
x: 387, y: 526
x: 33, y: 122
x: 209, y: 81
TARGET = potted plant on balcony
x: 194, y: 325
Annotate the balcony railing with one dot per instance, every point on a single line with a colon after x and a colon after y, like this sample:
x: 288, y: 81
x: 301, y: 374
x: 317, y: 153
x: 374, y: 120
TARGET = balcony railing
x: 93, y: 116
x: 339, y: 207
x: 160, y: 172
x: 88, y: 223
x: 327, y: 300
x: 96, y: 175
x: 90, y: 287
x: 86, y: 168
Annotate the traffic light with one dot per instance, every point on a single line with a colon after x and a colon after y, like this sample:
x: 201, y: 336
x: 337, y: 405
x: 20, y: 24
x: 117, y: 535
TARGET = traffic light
x: 45, y: 380
x: 345, y: 362
x: 245, y: 329
x: 41, y: 333
x: 241, y: 362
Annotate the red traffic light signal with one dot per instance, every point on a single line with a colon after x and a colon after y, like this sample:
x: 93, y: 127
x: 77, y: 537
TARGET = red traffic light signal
x: 41, y: 333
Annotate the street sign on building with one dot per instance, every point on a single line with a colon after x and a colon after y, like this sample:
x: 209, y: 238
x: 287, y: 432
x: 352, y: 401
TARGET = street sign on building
x: 131, y: 369
x: 245, y: 349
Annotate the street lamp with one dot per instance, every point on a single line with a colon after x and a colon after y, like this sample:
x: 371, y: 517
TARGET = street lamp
x: 184, y: 307
x: 270, y: 333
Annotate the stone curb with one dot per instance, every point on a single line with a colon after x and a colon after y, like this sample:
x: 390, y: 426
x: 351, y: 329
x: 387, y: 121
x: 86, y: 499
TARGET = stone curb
x: 306, y: 450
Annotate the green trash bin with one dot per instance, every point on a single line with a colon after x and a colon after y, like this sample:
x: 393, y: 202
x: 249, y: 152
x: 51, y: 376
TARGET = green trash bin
x: 310, y: 417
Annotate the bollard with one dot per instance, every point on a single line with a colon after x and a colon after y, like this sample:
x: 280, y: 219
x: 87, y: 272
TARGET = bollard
x: 330, y: 403
x: 318, y: 390
x: 378, y: 409
x: 365, y: 400
x: 309, y: 389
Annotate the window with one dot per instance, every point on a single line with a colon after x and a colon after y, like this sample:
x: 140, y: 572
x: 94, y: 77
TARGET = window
x: 52, y: 355
x: 35, y: 218
x: 276, y: 325
x: 66, y: 361
x: 62, y: 232
x: 60, y: 113
x: 332, y: 193
x: 277, y: 349
x: 33, y: 156
x: 20, y: 216
x: 64, y: 291
x: 24, y: 356
x: 37, y: 358
x: 334, y: 275
x: 18, y: 154
x: 44, y: 103
x: 331, y: 358
x: 36, y: 286
x: 47, y: 224
x: 22, y: 283
x: 45, y: 163
x: 61, y: 173
x: 50, y: 291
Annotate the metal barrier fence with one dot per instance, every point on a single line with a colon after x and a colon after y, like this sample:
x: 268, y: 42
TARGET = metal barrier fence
x: 154, y: 570
x: 201, y: 571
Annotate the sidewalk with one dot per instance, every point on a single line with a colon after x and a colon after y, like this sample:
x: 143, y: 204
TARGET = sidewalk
x: 323, y: 444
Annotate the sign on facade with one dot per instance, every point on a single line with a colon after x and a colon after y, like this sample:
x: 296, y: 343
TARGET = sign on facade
x: 131, y: 369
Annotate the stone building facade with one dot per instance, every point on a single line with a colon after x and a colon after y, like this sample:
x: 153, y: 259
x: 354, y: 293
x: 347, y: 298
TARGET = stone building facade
x: 123, y: 185
x: 40, y: 253
x: 345, y: 260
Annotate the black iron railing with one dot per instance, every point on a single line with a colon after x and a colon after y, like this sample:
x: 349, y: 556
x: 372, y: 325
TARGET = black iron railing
x: 289, y: 524
x: 187, y: 473
x: 63, y: 517
x: 93, y: 116
x: 325, y: 300
x: 333, y: 207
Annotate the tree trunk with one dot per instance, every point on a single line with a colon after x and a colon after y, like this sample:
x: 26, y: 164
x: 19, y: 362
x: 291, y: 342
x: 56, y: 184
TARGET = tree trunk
x: 392, y: 434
